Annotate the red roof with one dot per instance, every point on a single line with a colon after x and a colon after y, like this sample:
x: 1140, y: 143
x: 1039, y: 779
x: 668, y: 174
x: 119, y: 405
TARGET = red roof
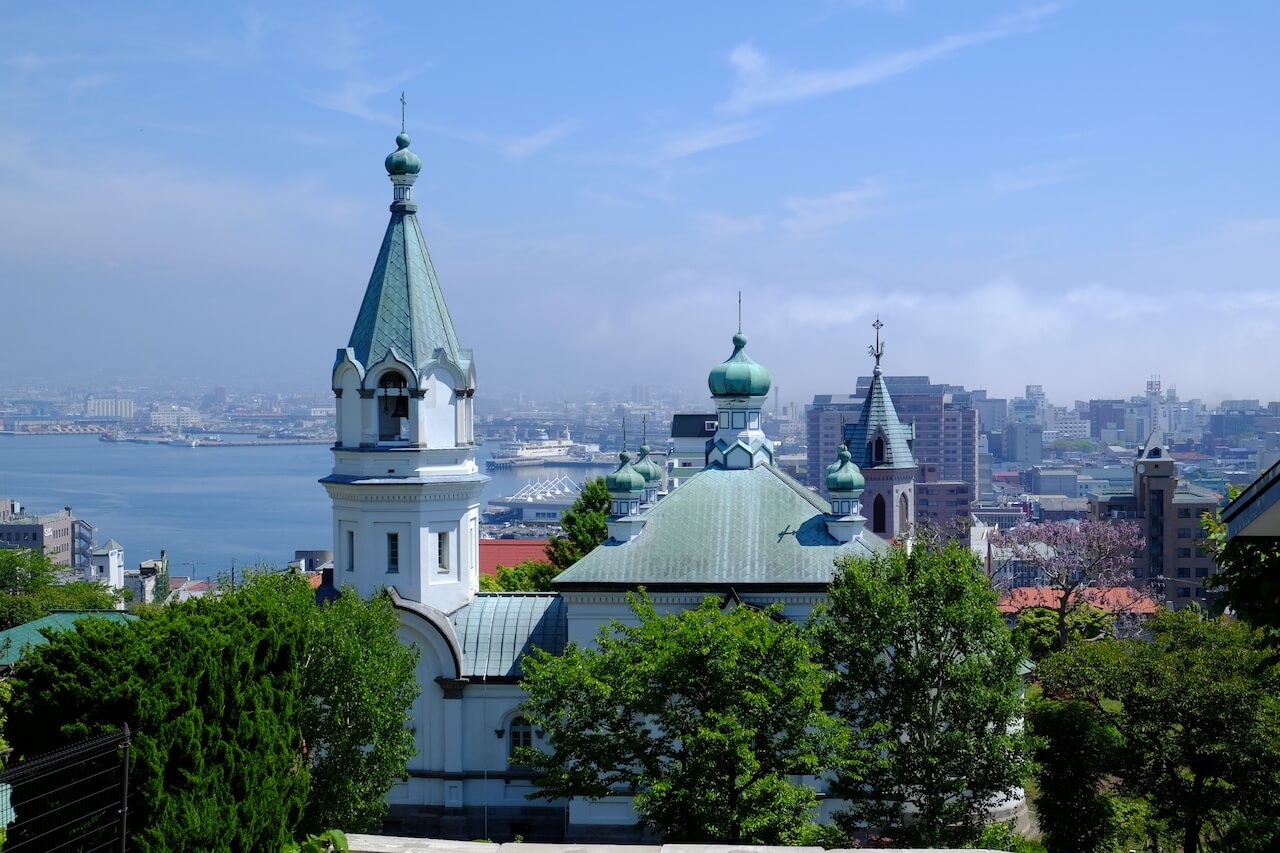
x: 508, y: 552
x: 1115, y: 599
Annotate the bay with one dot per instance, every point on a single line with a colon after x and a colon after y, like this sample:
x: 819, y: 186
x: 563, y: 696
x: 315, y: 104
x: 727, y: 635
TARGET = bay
x: 206, y: 506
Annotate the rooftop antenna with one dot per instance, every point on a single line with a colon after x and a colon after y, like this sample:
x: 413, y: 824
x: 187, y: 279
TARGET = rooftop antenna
x: 402, y: 103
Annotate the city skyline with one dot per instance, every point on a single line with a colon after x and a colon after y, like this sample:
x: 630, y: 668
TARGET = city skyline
x: 1054, y: 194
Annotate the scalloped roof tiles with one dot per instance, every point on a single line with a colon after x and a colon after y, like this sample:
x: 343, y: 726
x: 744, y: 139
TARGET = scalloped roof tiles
x: 403, y: 305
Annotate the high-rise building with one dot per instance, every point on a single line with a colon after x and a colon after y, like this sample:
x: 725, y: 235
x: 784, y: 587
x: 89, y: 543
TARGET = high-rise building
x: 943, y: 418
x: 1173, y: 566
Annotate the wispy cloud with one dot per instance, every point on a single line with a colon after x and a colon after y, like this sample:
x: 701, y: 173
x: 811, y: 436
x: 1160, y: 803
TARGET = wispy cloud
x: 511, y: 146
x: 1025, y: 178
x: 757, y: 83
x: 520, y: 147
x: 695, y: 140
x: 814, y: 215
x: 720, y: 225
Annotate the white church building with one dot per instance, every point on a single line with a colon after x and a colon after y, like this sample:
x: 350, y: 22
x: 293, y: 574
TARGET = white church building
x: 406, y: 493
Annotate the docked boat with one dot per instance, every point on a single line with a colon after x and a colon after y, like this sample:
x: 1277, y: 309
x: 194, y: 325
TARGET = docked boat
x: 533, y: 451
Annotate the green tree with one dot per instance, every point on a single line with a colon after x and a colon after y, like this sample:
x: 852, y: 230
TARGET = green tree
x: 1038, y: 627
x: 1076, y: 746
x: 1071, y: 556
x: 585, y: 525
x: 210, y: 690
x: 704, y: 716
x: 525, y: 576
x: 357, y: 683
x: 927, y: 682
x: 1198, y: 711
x: 24, y: 571
x: 1247, y: 579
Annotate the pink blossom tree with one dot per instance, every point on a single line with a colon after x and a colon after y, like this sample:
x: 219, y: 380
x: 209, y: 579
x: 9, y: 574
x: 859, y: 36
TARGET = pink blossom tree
x: 1071, y: 557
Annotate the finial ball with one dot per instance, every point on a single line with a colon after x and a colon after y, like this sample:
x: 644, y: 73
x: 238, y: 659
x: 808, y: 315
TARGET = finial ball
x: 402, y: 140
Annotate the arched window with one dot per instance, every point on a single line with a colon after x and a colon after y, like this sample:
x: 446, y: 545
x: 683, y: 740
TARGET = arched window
x: 393, y: 405
x: 521, y: 736
x: 1155, y: 453
x: 879, y: 457
x: 877, y: 515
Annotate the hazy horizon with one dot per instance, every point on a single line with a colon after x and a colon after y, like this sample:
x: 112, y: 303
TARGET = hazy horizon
x: 1078, y: 196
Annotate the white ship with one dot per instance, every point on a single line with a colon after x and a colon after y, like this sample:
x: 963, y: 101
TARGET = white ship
x: 538, y: 447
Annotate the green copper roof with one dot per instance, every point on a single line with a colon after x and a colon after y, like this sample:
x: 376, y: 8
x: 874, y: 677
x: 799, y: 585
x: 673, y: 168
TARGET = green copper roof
x: 498, y: 628
x: 879, y: 419
x: 650, y: 470
x: 403, y: 305
x: 15, y: 641
x: 843, y: 475
x: 739, y: 527
x: 625, y: 478
x: 738, y: 375
x: 402, y: 161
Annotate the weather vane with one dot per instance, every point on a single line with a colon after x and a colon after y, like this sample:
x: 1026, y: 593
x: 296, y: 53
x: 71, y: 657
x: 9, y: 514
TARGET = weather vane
x: 877, y: 350
x: 402, y: 103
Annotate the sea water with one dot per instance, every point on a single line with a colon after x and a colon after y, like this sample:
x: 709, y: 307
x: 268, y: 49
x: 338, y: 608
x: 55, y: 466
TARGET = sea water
x: 205, y: 506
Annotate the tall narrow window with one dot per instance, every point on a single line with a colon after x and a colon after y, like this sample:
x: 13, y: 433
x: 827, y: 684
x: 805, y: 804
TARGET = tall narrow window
x: 393, y: 552
x: 521, y: 736
x: 877, y: 515
x: 879, y: 457
x: 351, y: 550
x: 442, y: 552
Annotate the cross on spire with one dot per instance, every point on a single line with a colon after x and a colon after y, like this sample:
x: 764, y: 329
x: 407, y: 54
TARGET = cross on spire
x: 739, y: 312
x: 878, y: 350
x: 402, y: 103
x: 644, y: 429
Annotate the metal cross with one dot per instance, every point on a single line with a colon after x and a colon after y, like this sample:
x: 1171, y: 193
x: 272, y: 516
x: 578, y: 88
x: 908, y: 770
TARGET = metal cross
x: 878, y: 349
x: 402, y: 103
x: 739, y: 312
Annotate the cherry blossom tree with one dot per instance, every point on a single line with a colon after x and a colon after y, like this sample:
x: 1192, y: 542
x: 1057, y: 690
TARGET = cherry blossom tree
x: 1070, y: 557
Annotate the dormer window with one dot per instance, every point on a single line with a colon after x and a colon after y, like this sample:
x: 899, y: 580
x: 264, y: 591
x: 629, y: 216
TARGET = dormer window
x: 879, y: 450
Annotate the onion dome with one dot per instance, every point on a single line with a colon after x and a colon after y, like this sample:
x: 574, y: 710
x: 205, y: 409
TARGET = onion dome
x: 626, y: 478
x: 402, y: 161
x: 843, y: 475
x: 650, y: 470
x: 739, y: 376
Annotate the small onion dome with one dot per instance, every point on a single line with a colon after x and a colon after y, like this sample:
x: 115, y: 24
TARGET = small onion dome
x: 650, y: 470
x: 626, y: 478
x: 843, y: 475
x: 739, y: 376
x: 402, y: 161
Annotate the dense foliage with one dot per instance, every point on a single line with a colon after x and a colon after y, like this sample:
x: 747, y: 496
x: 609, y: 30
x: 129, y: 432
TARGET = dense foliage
x: 1037, y: 628
x: 358, y: 682
x: 210, y: 690
x: 585, y: 525
x: 1198, y: 712
x: 1070, y: 556
x: 927, y: 682
x: 253, y: 714
x: 27, y: 590
x: 704, y: 716
x: 1075, y: 747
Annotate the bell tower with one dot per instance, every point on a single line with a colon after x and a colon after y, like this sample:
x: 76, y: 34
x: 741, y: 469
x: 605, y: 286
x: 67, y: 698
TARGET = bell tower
x: 405, y: 486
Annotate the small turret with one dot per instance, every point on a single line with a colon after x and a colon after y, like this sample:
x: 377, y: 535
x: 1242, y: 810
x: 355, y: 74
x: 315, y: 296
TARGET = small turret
x: 626, y: 488
x: 739, y: 387
x: 652, y: 473
x: 845, y: 483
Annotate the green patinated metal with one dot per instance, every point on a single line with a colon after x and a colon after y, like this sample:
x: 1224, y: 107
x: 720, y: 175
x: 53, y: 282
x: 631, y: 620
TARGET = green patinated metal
x: 497, y: 629
x: 738, y: 375
x: 403, y: 307
x: 741, y: 527
x: 879, y: 419
x: 15, y: 641
x: 625, y: 478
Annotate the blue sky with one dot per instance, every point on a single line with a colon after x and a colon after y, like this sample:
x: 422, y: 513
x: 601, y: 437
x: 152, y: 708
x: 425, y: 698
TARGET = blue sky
x: 1079, y: 194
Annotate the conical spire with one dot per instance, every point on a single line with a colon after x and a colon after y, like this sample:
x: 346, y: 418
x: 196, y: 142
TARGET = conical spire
x: 404, y: 308
x: 879, y: 439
